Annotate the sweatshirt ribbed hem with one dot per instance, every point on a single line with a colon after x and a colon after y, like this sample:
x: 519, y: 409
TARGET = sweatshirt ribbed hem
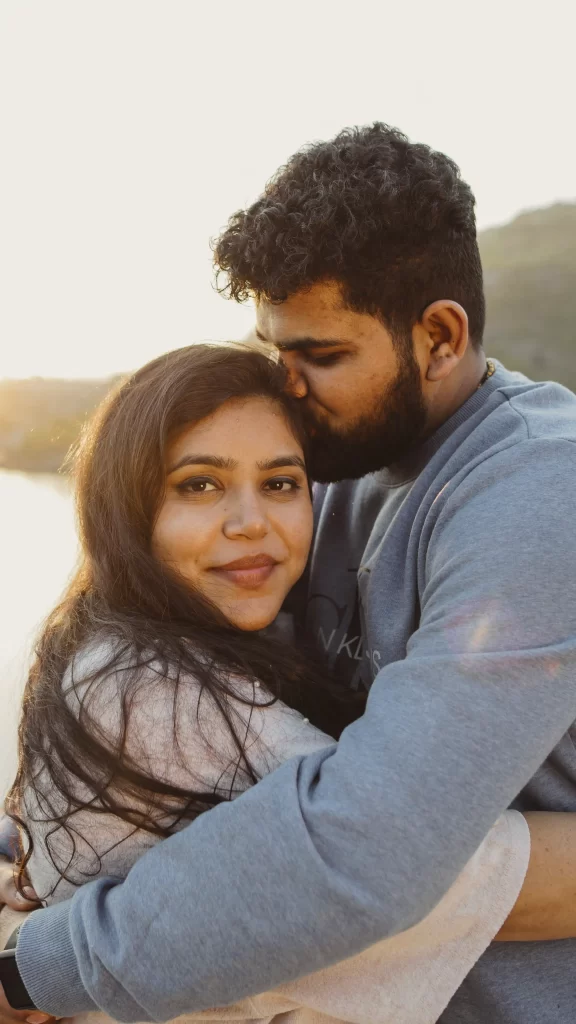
x: 47, y: 962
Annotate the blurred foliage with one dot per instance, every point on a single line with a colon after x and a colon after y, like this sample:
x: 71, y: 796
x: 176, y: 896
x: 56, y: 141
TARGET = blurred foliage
x: 530, y: 282
x: 530, y: 279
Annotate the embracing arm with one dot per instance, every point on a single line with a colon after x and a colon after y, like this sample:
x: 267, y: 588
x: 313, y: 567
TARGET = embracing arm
x: 322, y: 858
x: 377, y: 986
x: 546, y: 906
x: 371, y: 986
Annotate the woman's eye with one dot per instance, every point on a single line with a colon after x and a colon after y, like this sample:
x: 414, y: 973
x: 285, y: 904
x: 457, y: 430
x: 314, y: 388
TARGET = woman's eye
x: 197, y: 485
x: 282, y: 485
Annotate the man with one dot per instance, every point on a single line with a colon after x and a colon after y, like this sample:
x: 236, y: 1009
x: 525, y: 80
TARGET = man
x: 443, y: 581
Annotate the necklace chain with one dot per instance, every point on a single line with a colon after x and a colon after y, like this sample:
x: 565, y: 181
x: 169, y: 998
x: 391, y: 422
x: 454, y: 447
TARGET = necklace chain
x: 490, y: 369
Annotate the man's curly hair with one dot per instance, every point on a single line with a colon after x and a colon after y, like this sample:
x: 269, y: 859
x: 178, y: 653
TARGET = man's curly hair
x: 389, y: 219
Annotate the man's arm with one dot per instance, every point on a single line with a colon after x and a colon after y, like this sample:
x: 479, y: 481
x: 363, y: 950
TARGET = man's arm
x: 336, y: 850
x: 545, y: 909
x: 546, y: 906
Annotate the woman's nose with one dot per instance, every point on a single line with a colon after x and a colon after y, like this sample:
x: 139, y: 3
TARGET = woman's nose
x: 246, y: 519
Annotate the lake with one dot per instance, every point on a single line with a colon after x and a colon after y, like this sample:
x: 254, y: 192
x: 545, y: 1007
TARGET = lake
x: 38, y: 551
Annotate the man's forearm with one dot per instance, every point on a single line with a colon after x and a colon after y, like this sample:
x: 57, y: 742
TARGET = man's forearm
x: 546, y: 906
x: 325, y: 856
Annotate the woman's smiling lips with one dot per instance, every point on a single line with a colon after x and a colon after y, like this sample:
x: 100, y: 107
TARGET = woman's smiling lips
x: 249, y: 572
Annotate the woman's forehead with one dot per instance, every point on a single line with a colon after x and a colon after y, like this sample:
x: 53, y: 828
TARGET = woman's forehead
x: 249, y: 429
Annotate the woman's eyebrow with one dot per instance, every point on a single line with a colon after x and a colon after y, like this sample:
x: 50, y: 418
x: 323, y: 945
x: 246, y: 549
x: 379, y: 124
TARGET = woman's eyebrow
x: 203, y: 460
x: 282, y: 460
x: 219, y: 462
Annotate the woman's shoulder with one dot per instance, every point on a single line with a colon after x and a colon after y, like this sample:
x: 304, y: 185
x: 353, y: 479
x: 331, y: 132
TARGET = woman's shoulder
x: 163, y: 710
x: 100, y: 654
x: 99, y: 675
x: 107, y: 666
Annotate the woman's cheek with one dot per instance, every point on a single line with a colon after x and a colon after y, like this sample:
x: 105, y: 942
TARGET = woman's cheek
x: 192, y: 533
x: 176, y: 534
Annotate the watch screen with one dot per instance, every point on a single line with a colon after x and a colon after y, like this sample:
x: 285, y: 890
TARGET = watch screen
x: 14, y: 988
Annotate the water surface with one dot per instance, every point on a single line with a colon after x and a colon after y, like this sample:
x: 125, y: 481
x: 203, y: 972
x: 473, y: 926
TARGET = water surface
x: 38, y: 550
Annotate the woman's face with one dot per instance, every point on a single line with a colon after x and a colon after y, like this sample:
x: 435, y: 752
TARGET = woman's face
x: 236, y: 518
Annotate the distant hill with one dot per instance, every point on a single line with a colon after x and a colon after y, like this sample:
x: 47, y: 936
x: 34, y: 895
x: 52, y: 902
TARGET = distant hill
x: 530, y: 278
x: 530, y: 281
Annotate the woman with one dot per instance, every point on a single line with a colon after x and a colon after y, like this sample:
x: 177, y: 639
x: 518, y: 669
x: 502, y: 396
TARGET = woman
x: 155, y: 694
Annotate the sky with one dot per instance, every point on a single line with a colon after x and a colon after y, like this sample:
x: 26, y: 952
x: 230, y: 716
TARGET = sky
x: 132, y: 129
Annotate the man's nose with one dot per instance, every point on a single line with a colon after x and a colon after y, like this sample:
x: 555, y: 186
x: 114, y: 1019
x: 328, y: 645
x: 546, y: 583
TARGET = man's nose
x: 297, y: 383
x: 246, y: 518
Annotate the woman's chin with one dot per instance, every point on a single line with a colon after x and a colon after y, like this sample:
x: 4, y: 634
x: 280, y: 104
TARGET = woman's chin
x: 252, y: 615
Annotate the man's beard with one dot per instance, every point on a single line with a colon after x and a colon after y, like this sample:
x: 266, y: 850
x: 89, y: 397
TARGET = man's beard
x: 383, y: 437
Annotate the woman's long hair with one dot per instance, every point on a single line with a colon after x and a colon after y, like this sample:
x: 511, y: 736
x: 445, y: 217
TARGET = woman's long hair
x: 122, y: 593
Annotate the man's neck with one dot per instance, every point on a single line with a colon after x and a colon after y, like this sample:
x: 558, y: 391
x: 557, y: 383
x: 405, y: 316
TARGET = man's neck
x: 459, y: 387
x: 464, y: 388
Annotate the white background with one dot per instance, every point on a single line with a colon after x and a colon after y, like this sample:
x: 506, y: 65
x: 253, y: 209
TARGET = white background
x: 131, y: 129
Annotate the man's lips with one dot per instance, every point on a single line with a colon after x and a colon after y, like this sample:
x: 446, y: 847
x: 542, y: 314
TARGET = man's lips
x: 249, y: 572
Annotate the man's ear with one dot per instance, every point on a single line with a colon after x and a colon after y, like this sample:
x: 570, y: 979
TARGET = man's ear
x: 443, y: 333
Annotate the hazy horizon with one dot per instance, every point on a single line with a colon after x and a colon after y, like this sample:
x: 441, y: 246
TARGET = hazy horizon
x: 131, y: 131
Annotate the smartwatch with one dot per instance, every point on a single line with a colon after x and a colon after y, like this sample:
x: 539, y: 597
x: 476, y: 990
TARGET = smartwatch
x: 14, y: 988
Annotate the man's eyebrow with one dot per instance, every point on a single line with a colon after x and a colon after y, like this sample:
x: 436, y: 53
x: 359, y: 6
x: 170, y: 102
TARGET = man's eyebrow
x: 281, y: 461
x: 203, y: 460
x: 302, y: 344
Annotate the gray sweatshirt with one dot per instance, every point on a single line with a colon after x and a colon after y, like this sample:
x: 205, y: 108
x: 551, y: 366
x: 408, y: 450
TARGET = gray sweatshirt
x: 451, y: 588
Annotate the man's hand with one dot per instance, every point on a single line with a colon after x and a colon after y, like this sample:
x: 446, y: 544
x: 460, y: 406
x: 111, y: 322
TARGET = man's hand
x: 9, y: 895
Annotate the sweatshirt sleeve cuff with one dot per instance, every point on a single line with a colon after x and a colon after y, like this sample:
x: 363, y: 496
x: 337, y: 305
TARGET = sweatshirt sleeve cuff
x: 48, y: 965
